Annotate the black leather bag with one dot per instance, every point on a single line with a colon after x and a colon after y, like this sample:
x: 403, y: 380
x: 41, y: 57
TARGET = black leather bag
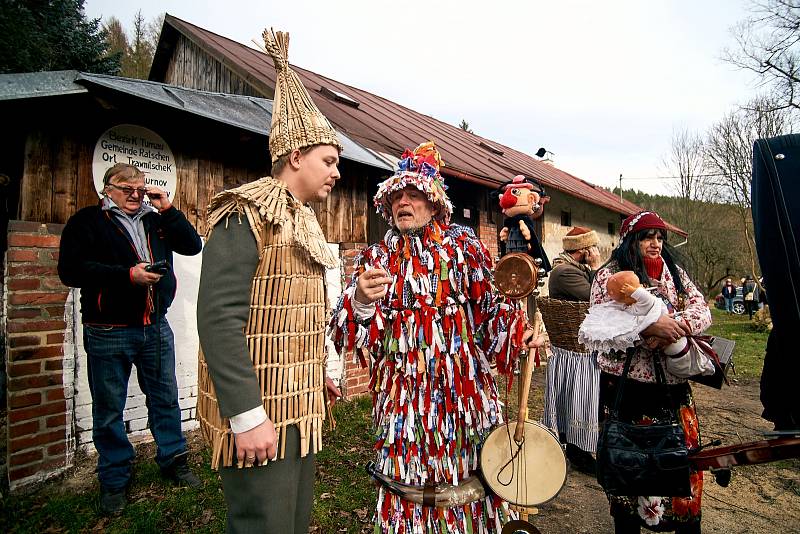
x: 642, y: 459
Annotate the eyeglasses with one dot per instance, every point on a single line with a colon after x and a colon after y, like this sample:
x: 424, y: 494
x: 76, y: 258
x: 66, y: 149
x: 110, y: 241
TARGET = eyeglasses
x: 128, y: 191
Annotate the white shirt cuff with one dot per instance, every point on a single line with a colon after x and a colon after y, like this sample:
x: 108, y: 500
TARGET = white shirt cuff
x: 643, y: 296
x: 248, y: 420
x: 363, y: 311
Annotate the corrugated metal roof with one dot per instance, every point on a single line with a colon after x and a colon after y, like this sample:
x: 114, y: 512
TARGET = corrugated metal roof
x: 389, y: 128
x: 37, y: 84
x: 245, y: 112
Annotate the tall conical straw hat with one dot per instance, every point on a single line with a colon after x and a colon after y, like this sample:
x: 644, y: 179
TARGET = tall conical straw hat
x: 296, y: 120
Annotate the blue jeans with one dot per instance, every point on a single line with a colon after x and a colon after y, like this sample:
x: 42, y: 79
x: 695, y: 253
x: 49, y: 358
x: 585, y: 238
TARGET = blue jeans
x: 729, y: 304
x: 111, y: 350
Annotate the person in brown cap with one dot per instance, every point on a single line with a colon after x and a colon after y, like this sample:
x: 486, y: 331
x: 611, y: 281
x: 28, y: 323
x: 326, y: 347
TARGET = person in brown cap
x: 261, y: 315
x: 571, y: 277
x: 571, y: 395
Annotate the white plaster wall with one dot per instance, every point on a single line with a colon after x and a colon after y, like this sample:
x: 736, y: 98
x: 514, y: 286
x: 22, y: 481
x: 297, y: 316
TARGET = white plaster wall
x: 68, y: 372
x: 182, y: 317
x: 583, y: 214
x: 333, y: 289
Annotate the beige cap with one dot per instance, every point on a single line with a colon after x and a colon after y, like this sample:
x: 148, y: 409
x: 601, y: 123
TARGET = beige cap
x: 578, y: 238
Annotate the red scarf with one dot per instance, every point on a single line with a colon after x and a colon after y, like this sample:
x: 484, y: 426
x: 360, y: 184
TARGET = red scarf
x: 654, y: 267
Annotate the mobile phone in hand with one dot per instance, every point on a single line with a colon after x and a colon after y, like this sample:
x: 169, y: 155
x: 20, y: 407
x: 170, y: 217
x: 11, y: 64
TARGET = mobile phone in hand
x: 159, y: 267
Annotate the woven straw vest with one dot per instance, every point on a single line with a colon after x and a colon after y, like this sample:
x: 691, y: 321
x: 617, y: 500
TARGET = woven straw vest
x: 286, y: 326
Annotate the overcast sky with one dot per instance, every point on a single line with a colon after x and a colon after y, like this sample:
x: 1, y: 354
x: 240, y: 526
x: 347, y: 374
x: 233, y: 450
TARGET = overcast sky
x: 603, y: 85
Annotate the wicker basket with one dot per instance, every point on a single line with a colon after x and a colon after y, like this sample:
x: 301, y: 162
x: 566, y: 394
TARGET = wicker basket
x: 562, y: 318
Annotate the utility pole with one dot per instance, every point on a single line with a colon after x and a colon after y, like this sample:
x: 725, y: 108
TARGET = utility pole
x: 620, y: 187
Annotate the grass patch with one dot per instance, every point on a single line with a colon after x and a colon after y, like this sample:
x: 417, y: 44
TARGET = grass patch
x: 344, y: 494
x: 748, y: 355
x: 344, y: 497
x: 155, y: 505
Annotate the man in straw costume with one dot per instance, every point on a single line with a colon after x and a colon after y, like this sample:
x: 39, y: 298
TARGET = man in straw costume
x: 422, y: 302
x: 261, y: 319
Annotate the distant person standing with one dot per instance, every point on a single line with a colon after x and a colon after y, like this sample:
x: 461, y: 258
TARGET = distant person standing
x: 751, y: 296
x: 572, y: 392
x: 728, y: 293
x: 571, y: 277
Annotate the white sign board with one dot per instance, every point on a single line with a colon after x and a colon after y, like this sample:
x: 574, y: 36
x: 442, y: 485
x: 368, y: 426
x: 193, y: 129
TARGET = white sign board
x: 136, y: 145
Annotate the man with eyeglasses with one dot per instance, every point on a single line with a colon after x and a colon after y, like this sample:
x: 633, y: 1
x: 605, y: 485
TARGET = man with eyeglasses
x: 119, y: 253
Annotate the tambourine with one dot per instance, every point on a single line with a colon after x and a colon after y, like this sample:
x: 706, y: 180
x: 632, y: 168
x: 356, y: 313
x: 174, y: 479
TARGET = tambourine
x: 516, y: 275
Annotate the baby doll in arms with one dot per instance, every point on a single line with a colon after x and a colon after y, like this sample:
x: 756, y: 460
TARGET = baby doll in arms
x: 617, y: 325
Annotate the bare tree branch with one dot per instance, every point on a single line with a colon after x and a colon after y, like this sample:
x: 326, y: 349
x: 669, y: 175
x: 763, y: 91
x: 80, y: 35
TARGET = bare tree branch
x: 729, y: 154
x: 768, y: 44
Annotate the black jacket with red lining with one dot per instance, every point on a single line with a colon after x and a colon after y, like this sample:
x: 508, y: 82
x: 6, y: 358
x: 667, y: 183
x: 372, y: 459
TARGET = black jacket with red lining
x: 97, y: 253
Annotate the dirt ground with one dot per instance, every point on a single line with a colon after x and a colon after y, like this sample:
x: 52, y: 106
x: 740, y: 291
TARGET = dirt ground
x: 760, y: 499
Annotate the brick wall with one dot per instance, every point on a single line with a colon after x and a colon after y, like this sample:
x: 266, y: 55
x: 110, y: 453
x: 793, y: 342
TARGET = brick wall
x: 487, y: 232
x: 355, y: 380
x: 39, y: 397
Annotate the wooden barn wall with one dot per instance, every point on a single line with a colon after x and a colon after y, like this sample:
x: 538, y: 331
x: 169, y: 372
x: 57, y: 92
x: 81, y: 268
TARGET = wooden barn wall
x: 57, y: 177
x: 343, y: 215
x: 190, y: 66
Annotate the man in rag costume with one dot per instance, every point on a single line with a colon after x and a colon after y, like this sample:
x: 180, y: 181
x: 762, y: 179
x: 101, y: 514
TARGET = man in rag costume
x: 261, y: 317
x: 422, y: 302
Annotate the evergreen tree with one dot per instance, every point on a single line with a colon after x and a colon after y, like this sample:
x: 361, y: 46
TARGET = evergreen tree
x: 41, y: 35
x: 136, y: 53
x: 141, y: 50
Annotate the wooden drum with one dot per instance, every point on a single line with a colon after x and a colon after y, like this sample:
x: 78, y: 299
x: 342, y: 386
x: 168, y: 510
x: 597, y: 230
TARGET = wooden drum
x: 528, y: 473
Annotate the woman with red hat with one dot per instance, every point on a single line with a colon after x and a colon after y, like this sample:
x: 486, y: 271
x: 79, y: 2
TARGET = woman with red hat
x: 644, y: 250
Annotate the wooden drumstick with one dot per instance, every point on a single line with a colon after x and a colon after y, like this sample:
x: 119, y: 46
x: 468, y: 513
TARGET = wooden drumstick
x: 525, y: 386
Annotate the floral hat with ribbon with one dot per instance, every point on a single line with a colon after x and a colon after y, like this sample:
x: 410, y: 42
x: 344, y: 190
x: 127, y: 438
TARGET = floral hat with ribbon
x: 644, y: 220
x: 419, y: 169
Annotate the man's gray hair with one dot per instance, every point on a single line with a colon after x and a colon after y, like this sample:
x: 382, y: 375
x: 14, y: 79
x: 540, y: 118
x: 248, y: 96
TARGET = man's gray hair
x: 124, y: 171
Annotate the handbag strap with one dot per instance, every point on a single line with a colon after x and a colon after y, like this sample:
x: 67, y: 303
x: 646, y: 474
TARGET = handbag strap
x: 629, y: 357
x: 660, y: 379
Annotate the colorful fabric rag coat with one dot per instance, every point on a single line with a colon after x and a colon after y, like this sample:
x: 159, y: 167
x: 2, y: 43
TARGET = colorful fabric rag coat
x: 432, y: 338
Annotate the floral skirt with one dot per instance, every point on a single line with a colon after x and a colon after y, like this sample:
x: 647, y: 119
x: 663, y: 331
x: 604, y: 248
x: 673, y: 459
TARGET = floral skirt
x: 645, y: 403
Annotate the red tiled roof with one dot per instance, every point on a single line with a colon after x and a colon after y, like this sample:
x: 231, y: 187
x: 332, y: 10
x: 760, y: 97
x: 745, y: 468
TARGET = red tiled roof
x: 387, y: 127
